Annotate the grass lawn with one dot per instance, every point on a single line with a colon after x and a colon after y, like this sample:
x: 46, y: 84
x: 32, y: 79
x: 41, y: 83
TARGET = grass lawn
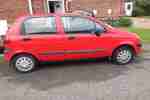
x: 143, y: 33
x: 1, y: 58
x: 146, y: 16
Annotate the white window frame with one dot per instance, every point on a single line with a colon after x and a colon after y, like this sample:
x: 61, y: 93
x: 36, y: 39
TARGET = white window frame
x: 56, y: 0
x: 127, y: 11
x: 30, y: 7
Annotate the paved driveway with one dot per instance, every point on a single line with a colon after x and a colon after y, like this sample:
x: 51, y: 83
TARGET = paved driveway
x: 141, y: 22
x: 92, y: 80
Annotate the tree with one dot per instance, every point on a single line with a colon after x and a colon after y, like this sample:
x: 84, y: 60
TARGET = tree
x: 141, y: 8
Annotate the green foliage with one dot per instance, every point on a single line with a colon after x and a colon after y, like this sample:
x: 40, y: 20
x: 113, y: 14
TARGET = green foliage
x: 125, y: 22
x: 122, y: 22
x: 141, y: 8
x: 143, y: 33
x: 1, y: 58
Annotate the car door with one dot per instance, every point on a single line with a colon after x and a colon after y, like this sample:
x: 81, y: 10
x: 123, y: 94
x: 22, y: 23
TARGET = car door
x: 80, y: 38
x: 42, y: 38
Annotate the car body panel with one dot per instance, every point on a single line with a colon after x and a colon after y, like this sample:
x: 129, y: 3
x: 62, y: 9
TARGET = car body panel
x: 62, y: 46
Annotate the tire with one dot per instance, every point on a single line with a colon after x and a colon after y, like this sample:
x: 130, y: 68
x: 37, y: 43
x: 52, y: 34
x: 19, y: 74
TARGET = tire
x: 24, y: 63
x: 1, y: 50
x: 123, y: 55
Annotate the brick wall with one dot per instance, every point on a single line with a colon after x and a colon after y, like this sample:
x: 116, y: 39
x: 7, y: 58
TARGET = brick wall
x: 11, y: 9
x: 101, y: 5
x: 38, y: 6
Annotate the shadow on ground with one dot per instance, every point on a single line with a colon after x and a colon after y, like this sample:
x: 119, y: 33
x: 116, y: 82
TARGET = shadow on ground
x: 51, y: 75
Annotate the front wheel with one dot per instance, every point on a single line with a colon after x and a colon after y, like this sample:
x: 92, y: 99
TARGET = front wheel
x: 23, y: 63
x: 123, y: 55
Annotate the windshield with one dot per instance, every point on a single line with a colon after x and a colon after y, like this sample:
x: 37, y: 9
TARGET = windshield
x: 104, y: 24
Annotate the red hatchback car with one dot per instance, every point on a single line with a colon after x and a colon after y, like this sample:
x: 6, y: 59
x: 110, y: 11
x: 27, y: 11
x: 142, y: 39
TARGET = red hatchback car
x: 56, y: 37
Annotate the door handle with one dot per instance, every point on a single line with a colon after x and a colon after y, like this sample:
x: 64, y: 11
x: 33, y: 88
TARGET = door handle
x: 71, y: 37
x: 26, y: 39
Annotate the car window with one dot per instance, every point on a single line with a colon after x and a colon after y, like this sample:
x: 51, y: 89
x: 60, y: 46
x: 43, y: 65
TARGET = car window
x: 78, y: 25
x: 40, y: 25
x: 99, y: 28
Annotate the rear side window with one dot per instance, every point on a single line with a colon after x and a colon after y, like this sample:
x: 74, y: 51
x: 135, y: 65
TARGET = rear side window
x: 40, y: 25
x: 78, y: 25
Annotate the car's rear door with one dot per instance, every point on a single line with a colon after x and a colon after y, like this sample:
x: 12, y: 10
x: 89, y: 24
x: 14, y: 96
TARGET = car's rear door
x: 42, y: 37
x: 80, y: 40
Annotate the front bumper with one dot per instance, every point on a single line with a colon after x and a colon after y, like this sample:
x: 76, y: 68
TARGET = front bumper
x: 139, y: 48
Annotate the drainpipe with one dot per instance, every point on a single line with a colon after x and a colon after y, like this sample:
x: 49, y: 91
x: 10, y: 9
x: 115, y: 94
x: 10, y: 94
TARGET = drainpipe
x: 30, y: 7
x: 69, y: 5
x: 122, y: 7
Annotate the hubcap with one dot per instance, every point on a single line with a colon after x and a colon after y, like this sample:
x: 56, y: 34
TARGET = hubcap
x: 124, y: 56
x: 24, y: 64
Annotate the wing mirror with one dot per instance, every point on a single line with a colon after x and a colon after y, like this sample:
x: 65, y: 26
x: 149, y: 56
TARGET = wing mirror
x: 99, y: 29
x: 97, y: 33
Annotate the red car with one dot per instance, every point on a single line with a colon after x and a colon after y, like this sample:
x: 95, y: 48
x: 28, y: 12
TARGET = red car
x: 58, y: 37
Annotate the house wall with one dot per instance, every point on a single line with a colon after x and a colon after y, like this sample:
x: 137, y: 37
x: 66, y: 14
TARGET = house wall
x: 102, y: 6
x: 38, y: 6
x: 11, y: 9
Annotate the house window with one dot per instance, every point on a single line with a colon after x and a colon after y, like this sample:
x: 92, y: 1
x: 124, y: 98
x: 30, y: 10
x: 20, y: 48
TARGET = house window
x: 129, y: 7
x: 55, y: 6
x: 128, y: 0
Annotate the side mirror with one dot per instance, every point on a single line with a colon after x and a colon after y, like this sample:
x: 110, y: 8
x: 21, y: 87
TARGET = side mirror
x: 99, y: 29
x: 97, y: 33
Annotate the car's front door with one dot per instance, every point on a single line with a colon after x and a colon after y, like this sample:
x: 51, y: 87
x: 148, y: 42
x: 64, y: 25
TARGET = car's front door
x: 42, y: 38
x: 80, y: 39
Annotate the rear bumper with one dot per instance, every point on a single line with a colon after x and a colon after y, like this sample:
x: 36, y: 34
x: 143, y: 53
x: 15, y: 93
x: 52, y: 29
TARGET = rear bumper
x: 8, y: 53
x: 7, y: 57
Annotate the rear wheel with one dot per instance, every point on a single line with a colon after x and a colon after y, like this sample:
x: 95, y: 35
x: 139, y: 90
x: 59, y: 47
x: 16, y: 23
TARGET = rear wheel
x: 24, y: 63
x: 123, y: 55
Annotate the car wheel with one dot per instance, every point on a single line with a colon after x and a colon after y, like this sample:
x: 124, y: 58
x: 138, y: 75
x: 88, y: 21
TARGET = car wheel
x: 24, y: 63
x: 123, y: 55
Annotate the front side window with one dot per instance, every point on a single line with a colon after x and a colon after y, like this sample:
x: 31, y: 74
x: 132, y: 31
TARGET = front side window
x: 78, y: 25
x: 40, y: 25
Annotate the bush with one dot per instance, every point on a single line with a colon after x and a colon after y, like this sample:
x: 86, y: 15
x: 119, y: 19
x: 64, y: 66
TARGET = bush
x: 141, y: 8
x: 125, y: 22
x: 137, y: 11
x: 122, y: 22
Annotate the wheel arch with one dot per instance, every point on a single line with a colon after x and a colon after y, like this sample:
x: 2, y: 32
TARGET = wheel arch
x: 125, y: 45
x: 24, y: 53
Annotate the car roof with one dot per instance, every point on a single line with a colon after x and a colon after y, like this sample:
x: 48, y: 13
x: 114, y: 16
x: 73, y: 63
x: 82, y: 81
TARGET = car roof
x: 51, y: 14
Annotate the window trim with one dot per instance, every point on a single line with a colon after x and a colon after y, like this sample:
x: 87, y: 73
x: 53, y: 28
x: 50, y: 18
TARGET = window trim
x: 78, y: 17
x: 46, y: 33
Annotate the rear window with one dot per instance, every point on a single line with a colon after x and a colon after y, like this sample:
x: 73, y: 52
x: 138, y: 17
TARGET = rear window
x: 40, y: 25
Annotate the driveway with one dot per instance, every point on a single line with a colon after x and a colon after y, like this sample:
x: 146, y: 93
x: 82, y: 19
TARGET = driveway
x: 79, y: 80
x: 141, y: 22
